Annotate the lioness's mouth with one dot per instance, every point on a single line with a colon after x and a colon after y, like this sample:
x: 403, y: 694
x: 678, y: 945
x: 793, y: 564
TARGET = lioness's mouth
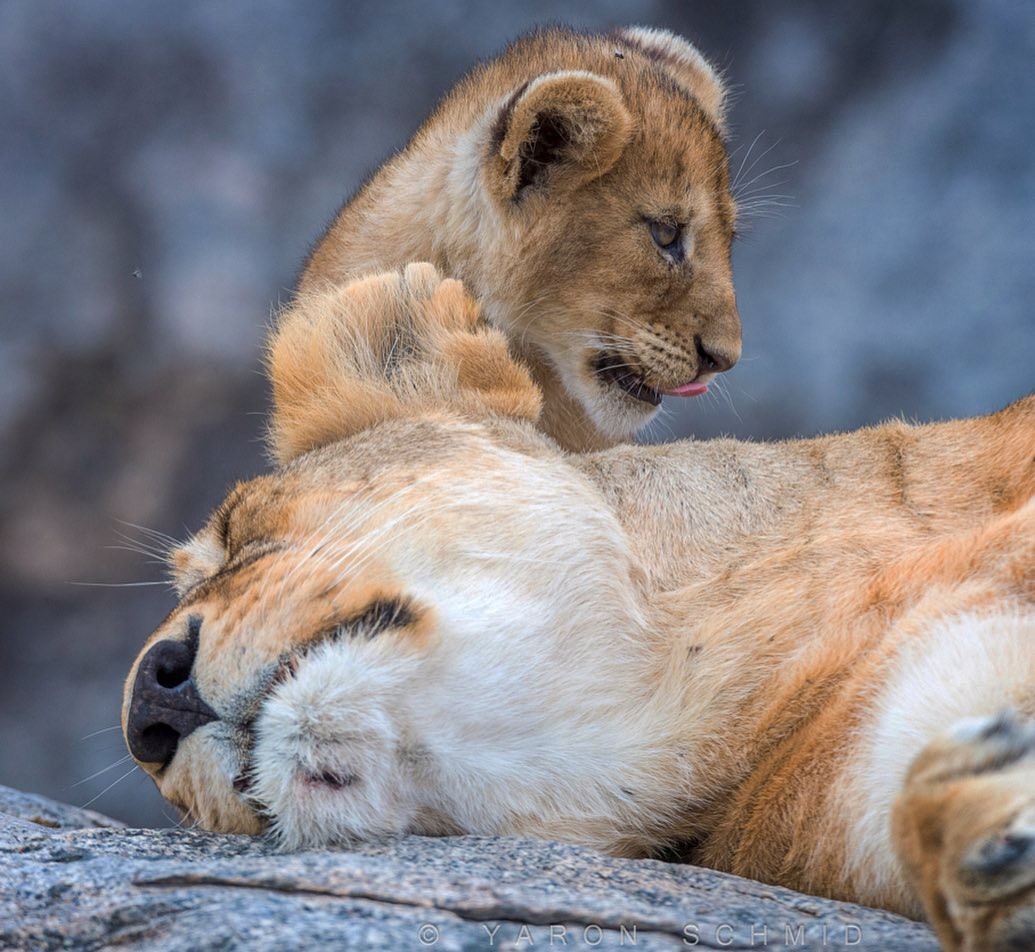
x: 283, y: 670
x: 614, y: 369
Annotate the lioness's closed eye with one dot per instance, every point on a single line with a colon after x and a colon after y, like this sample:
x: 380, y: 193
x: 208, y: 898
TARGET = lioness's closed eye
x: 579, y: 187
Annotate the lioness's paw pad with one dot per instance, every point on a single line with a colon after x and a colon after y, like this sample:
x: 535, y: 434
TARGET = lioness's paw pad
x: 445, y: 300
x: 965, y: 831
x: 980, y: 744
x: 398, y: 343
x: 393, y: 316
x: 1007, y: 854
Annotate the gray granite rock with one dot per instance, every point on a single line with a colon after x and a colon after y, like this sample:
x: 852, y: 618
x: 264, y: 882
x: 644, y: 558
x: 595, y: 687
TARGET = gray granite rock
x: 73, y: 879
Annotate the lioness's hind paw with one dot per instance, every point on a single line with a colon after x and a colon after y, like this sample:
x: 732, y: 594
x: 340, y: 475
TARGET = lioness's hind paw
x: 965, y: 831
x: 980, y: 744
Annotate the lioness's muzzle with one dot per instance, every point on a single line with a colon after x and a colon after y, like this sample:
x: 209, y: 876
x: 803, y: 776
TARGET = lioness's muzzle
x: 165, y: 705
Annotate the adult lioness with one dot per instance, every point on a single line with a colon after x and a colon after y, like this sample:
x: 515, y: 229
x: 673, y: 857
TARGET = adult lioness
x: 579, y: 186
x: 442, y: 623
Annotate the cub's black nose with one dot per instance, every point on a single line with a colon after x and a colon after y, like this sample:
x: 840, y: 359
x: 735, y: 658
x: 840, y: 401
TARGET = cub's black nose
x: 711, y: 359
x: 165, y: 705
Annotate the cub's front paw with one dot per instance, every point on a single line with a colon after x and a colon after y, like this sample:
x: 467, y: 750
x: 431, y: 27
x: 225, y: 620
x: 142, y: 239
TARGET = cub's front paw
x: 964, y: 827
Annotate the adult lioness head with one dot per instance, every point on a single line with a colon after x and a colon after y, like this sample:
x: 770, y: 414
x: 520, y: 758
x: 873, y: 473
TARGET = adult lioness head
x: 579, y: 186
x: 373, y: 637
x: 431, y: 619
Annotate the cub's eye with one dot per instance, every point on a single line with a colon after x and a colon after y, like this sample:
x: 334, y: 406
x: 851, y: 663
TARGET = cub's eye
x: 665, y: 234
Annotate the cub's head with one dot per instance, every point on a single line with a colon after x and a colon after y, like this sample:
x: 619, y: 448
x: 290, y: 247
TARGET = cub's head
x: 419, y: 622
x: 615, y: 220
x: 611, y: 184
x: 580, y: 187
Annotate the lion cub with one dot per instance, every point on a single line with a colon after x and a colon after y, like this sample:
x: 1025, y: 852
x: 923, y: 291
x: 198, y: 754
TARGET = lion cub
x: 579, y: 187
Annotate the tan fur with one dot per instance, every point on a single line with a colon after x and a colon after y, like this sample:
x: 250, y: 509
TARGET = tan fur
x: 565, y: 266
x: 695, y: 641
x: 332, y: 354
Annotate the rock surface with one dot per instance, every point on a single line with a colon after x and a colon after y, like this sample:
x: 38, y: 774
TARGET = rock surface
x: 75, y: 879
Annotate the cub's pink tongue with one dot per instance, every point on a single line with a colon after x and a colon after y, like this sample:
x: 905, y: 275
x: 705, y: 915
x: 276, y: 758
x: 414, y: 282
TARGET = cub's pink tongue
x: 687, y: 390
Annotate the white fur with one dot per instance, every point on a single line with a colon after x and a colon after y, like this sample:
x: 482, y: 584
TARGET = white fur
x: 490, y: 724
x: 960, y: 675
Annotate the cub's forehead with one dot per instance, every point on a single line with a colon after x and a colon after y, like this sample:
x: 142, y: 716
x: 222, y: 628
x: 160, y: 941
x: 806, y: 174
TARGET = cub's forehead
x: 683, y: 149
x: 676, y: 152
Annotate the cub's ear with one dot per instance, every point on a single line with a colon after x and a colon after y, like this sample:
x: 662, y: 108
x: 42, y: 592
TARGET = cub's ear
x: 685, y: 64
x: 558, y: 130
x: 398, y: 344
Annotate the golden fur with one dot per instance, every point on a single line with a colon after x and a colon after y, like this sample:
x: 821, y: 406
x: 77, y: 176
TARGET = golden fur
x: 783, y: 660
x: 536, y: 181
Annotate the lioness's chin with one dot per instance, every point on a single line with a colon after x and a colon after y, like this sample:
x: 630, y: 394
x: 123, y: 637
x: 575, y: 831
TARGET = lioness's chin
x: 200, y: 783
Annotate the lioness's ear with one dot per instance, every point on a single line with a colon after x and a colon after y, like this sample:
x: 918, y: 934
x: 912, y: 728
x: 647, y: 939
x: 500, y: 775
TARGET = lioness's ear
x: 195, y: 560
x: 398, y: 344
x: 685, y: 64
x: 561, y: 129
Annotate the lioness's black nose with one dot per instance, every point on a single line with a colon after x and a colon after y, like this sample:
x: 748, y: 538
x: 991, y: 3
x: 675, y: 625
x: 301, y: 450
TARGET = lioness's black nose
x: 165, y: 705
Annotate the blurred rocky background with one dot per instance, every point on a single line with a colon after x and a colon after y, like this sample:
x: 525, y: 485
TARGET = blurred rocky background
x: 164, y: 166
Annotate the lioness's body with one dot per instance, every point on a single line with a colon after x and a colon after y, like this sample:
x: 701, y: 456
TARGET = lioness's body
x: 442, y: 623
x: 807, y: 587
x: 565, y: 266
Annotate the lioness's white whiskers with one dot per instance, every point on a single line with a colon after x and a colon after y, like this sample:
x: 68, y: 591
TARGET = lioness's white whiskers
x: 150, y: 557
x: 109, y: 787
x: 167, y: 540
x: 377, y: 537
x: 117, y: 584
x: 103, y: 770
x: 371, y: 537
x: 316, y: 559
x: 103, y: 730
x: 510, y: 557
x: 144, y: 547
x: 319, y: 536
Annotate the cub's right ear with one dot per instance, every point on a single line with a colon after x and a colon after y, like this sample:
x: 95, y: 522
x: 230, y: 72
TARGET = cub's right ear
x: 686, y: 65
x: 559, y: 130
